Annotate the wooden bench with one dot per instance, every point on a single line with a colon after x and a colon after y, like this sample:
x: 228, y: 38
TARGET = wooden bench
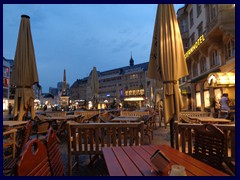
x: 90, y: 138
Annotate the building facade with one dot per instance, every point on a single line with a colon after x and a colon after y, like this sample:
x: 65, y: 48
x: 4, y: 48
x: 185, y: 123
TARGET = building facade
x: 127, y: 85
x: 9, y: 90
x: 6, y: 83
x: 208, y: 34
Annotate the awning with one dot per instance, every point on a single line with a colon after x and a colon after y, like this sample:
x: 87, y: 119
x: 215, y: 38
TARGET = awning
x: 134, y: 99
x: 221, y: 79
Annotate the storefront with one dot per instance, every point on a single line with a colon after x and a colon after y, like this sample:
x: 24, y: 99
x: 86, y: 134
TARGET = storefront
x: 222, y: 82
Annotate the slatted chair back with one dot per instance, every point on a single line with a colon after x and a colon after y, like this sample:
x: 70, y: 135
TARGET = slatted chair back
x: 33, y: 160
x: 20, y: 141
x: 184, y: 119
x: 24, y: 137
x: 54, y: 154
x: 9, y: 142
x: 90, y: 138
x: 86, y: 114
x: 209, y: 145
x: 40, y: 127
x: 134, y: 113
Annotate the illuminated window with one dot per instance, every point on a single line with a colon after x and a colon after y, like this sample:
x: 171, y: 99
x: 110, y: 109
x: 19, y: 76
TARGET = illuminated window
x: 206, y: 99
x: 198, y: 99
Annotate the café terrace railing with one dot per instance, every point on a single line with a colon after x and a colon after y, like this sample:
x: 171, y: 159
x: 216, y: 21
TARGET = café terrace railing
x: 184, y: 137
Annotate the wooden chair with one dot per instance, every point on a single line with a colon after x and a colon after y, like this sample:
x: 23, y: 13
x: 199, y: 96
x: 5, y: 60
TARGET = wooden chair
x: 9, y: 144
x: 22, y: 138
x: 33, y: 160
x: 54, y: 154
x: 90, y: 138
x: 209, y: 147
x: 40, y: 127
x: 148, y: 126
x: 105, y: 117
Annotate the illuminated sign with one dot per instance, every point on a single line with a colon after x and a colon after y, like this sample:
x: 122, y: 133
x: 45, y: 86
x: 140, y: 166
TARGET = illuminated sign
x: 200, y: 40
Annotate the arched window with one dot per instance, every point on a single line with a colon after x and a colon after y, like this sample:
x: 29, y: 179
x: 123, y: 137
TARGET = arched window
x: 214, y: 58
x: 203, y: 64
x: 230, y: 49
x: 195, y: 69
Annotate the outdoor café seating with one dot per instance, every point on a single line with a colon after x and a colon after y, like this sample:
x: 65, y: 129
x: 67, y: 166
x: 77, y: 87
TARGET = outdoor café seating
x: 40, y: 127
x: 13, y: 144
x: 209, y: 148
x: 41, y: 158
x: 90, y: 138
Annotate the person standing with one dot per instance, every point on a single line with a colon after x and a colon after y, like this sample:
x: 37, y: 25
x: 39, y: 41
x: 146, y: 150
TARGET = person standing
x: 224, y: 102
x: 10, y: 109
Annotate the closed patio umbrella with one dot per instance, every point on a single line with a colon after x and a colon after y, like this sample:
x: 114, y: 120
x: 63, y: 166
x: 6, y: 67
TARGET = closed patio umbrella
x: 94, y: 86
x: 167, y: 62
x: 24, y: 73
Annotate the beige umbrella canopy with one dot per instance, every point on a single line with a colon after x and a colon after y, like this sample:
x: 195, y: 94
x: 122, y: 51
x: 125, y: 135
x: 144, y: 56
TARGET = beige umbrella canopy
x: 24, y: 73
x: 94, y: 86
x: 167, y: 62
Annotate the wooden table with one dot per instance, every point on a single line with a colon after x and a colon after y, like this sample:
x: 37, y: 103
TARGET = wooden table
x: 135, y: 161
x: 14, y: 124
x: 210, y: 119
x: 125, y: 119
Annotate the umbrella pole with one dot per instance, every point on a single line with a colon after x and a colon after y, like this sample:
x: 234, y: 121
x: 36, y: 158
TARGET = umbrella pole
x: 172, y: 132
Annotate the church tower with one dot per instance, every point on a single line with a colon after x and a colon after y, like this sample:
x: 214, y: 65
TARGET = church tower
x: 64, y: 84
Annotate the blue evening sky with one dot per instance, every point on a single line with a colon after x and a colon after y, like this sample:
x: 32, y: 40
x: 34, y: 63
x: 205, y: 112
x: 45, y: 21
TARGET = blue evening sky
x: 77, y: 37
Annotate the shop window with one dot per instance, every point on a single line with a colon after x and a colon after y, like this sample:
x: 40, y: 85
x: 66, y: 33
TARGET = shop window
x: 206, y: 99
x: 198, y: 99
x: 230, y: 49
x: 214, y: 58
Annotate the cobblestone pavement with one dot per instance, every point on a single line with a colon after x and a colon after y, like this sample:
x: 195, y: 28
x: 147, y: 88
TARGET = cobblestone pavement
x: 161, y: 136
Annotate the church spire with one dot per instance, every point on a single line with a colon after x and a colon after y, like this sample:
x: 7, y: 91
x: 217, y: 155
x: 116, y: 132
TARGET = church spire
x: 131, y: 62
